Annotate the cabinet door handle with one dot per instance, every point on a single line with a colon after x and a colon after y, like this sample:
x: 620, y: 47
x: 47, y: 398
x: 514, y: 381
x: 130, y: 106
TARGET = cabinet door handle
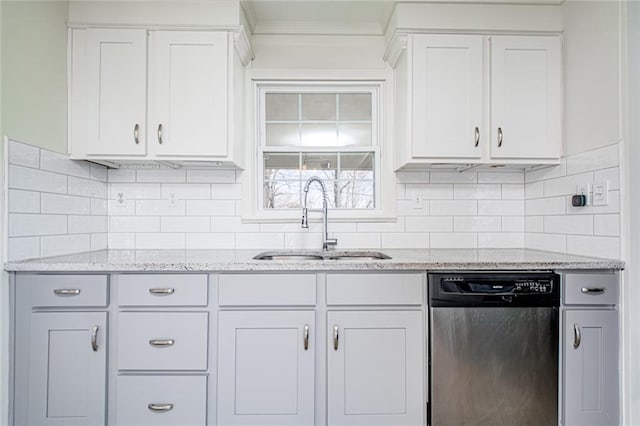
x: 161, y: 342
x: 500, y: 136
x: 160, y: 133
x: 577, y: 336
x: 136, y: 129
x: 335, y: 337
x: 592, y: 290
x: 160, y: 408
x: 306, y: 337
x: 162, y: 291
x: 94, y: 338
x: 477, y: 136
x: 66, y: 291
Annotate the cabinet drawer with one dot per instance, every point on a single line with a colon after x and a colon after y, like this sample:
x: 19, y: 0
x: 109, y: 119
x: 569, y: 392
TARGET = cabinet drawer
x: 67, y: 290
x: 162, y: 400
x: 267, y: 289
x: 374, y: 289
x: 162, y: 290
x: 590, y: 289
x: 162, y: 341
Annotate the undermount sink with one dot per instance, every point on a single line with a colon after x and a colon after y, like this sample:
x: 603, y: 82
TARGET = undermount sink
x: 320, y: 255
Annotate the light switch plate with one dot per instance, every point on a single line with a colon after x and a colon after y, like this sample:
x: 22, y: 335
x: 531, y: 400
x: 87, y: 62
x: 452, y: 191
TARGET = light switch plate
x: 600, y: 193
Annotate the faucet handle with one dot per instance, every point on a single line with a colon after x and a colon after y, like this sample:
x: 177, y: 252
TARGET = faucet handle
x: 331, y: 242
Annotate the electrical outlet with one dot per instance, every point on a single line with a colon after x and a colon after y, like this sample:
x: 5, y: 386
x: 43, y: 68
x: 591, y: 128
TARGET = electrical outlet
x: 121, y: 199
x: 417, y: 202
x: 585, y: 189
x: 601, y: 193
x: 173, y: 199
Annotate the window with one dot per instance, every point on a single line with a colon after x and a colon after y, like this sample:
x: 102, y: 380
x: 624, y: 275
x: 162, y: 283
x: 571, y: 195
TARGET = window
x: 326, y: 130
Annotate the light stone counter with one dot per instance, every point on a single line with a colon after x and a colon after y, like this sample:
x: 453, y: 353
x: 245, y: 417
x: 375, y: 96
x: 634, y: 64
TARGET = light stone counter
x: 242, y: 261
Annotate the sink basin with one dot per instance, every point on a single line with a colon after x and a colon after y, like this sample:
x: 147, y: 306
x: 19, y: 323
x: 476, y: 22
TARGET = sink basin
x: 320, y: 255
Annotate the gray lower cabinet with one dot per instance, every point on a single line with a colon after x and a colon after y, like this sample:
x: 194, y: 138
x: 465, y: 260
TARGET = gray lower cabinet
x: 266, y: 368
x: 375, y: 368
x: 591, y: 368
x: 67, y: 368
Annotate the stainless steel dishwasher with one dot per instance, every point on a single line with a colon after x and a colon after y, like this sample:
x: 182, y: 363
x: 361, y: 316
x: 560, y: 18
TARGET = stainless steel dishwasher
x: 493, y: 348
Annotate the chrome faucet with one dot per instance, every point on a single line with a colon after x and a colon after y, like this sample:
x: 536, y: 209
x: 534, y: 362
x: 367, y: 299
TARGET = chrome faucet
x: 326, y: 241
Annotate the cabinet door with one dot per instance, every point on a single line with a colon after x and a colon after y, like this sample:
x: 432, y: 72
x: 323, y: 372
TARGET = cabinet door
x: 447, y: 84
x: 67, y: 378
x: 526, y: 97
x: 375, y: 368
x: 116, y: 86
x: 591, y: 368
x: 266, y: 368
x: 188, y: 93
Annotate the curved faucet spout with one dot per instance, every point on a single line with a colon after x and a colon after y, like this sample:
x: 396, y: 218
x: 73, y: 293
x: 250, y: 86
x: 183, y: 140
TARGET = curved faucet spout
x: 326, y: 241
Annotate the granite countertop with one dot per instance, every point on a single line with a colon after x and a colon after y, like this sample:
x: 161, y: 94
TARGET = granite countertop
x: 242, y: 260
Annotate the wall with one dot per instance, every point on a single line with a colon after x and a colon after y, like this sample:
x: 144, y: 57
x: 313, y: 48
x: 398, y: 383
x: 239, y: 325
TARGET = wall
x: 34, y: 99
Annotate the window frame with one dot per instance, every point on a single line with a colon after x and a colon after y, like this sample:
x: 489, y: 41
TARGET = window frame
x: 253, y: 202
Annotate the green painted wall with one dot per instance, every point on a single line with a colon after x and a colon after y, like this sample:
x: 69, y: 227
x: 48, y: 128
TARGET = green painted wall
x: 34, y: 72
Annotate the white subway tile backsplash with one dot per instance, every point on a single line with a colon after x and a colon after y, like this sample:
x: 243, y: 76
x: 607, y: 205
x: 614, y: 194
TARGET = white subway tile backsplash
x: 232, y: 224
x: 87, y: 224
x: 500, y: 240
x: 26, y: 225
x: 161, y: 175
x: 501, y: 177
x: 453, y: 177
x: 162, y: 241
x: 186, y: 191
x: 596, y: 159
x: 64, y: 244
x: 546, y: 206
x: 364, y: 240
x: 36, y: 180
x: 23, y: 201
x: 64, y: 204
x: 211, y: 176
x: 427, y: 191
x: 608, y: 247
x: 226, y: 191
x: 99, y: 241
x: 185, y: 224
x: 513, y: 191
x: 59, y: 163
x: 135, y: 191
x: 566, y: 185
x: 99, y: 207
x: 534, y: 224
x: 121, y: 241
x: 397, y: 226
x: 23, y: 248
x: 115, y: 208
x: 453, y: 207
x: 569, y: 224
x: 500, y: 207
x: 98, y: 172
x: 210, y: 208
x: 134, y: 224
x: 262, y: 240
x: 513, y: 224
x: 610, y: 175
x: 429, y: 224
x: 477, y: 191
x: 160, y: 208
x: 122, y: 175
x: 477, y: 224
x: 307, y: 240
x: 408, y: 208
x: 453, y: 240
x: 402, y: 240
x: 23, y: 155
x: 533, y: 190
x: 87, y: 188
x: 606, y: 225
x: 412, y: 177
x: 211, y: 241
x: 548, y: 242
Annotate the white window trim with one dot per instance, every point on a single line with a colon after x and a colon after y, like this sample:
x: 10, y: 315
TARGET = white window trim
x: 252, y: 200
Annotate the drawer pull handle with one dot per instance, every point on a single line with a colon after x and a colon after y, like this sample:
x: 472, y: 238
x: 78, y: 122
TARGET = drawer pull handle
x: 160, y: 408
x: 306, y: 337
x: 577, y: 336
x: 335, y: 337
x: 160, y: 133
x: 94, y: 338
x: 592, y: 290
x: 162, y: 291
x: 66, y: 291
x: 477, y: 137
x: 136, y: 131
x: 160, y: 343
x: 500, y: 136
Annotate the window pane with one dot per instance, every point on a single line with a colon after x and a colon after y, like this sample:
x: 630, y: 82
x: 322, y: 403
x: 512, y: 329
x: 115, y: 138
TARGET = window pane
x: 355, y: 135
x: 356, y: 166
x: 355, y: 106
x: 319, y: 135
x: 282, y: 194
x: 323, y: 165
x: 319, y: 106
x: 281, y: 107
x: 356, y: 194
x: 281, y: 166
x: 282, y: 135
x: 314, y: 198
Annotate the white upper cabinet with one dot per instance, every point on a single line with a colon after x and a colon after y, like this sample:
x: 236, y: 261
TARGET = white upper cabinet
x: 446, y: 96
x: 526, y: 97
x: 188, y: 93
x: 478, y: 99
x: 155, y: 95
